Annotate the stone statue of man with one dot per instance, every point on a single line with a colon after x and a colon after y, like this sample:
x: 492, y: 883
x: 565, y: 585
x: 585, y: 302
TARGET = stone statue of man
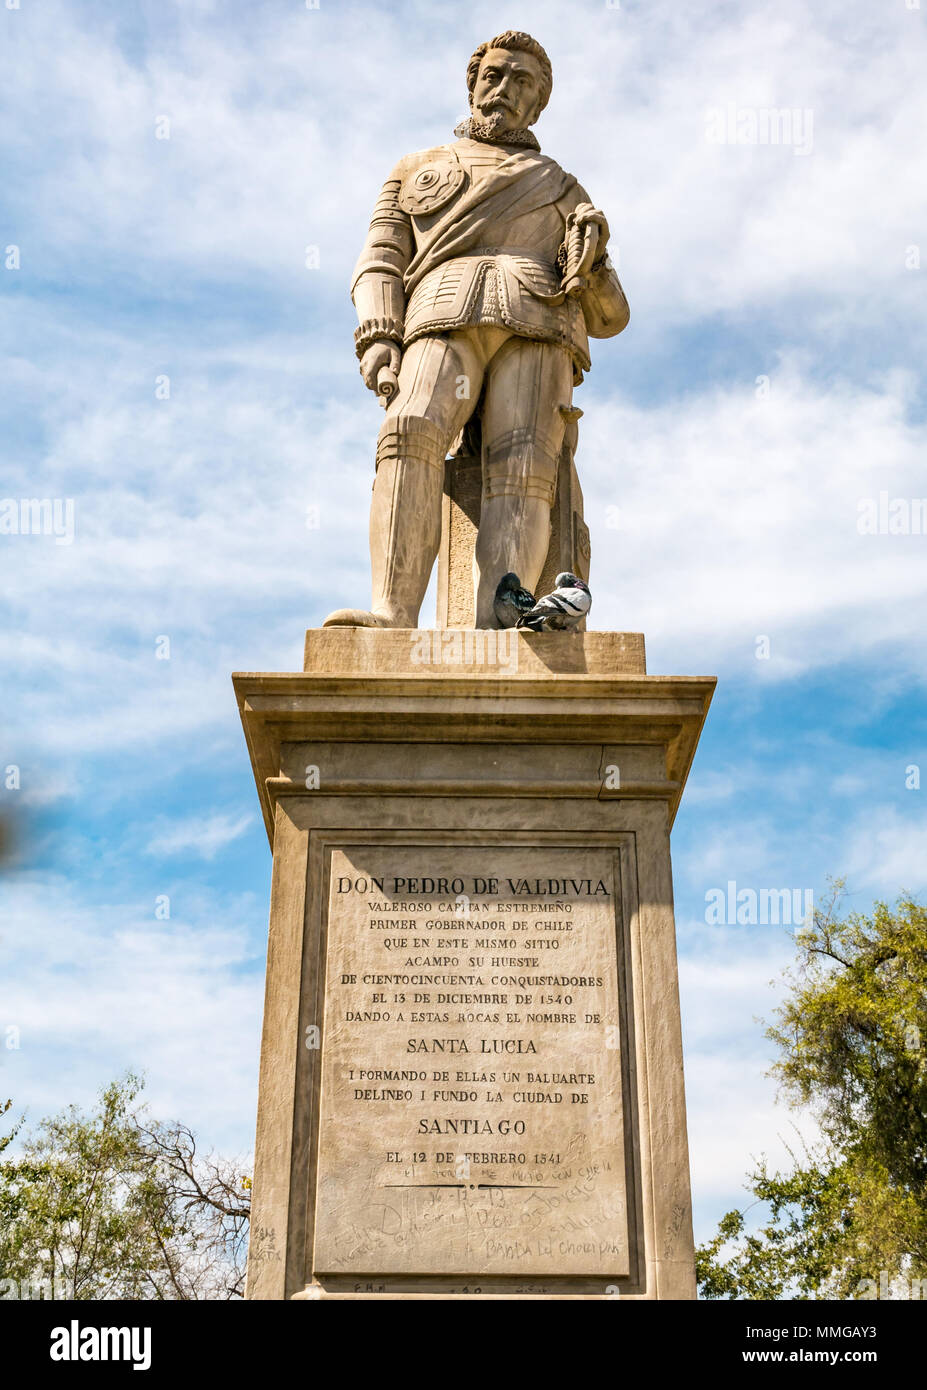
x: 482, y: 277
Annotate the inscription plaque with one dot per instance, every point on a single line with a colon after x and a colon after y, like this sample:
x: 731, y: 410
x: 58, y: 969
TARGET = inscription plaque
x: 471, y: 1114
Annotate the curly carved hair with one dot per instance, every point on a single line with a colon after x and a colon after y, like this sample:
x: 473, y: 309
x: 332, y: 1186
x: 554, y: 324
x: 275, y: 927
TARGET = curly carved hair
x: 516, y: 41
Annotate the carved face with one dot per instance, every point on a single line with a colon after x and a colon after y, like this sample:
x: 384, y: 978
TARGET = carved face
x: 507, y: 90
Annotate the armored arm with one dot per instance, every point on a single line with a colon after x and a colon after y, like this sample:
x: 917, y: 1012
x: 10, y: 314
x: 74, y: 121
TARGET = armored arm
x: 377, y: 288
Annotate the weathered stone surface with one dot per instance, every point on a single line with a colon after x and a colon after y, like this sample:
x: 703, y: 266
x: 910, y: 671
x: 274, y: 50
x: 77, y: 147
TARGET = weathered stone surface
x: 472, y: 1115
x: 385, y: 770
x: 435, y: 653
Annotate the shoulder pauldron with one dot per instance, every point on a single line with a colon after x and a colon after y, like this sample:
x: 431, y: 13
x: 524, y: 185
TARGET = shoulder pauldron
x: 433, y: 184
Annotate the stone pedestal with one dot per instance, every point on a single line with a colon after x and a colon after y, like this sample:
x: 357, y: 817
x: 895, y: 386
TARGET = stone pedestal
x: 471, y: 1073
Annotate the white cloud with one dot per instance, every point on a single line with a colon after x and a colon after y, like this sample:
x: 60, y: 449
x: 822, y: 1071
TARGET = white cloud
x: 887, y: 851
x: 730, y: 984
x: 202, y: 835
x: 97, y: 987
x: 734, y: 1121
x: 738, y: 519
x: 710, y: 786
x: 276, y: 141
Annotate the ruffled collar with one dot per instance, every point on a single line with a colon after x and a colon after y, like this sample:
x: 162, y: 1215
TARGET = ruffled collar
x: 472, y: 129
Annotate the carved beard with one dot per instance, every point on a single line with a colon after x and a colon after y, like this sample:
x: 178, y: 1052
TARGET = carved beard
x: 491, y: 130
x: 494, y: 121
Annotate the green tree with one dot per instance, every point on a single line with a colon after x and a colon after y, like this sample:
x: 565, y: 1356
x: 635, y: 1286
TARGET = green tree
x: 7, y: 1139
x: 852, y: 1212
x: 111, y: 1205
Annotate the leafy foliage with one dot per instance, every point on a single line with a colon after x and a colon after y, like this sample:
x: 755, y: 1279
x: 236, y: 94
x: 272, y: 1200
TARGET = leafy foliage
x: 7, y: 1139
x: 851, y: 1040
x: 108, y: 1205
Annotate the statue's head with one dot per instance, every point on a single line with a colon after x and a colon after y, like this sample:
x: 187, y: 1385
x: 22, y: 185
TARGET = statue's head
x: 509, y: 81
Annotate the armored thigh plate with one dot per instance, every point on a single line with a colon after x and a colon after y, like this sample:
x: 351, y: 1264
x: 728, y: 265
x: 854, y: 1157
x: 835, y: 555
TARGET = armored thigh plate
x: 528, y: 387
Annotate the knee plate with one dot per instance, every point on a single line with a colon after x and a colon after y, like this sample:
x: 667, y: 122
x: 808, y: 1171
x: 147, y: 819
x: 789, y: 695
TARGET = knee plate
x: 412, y: 438
x: 521, y: 462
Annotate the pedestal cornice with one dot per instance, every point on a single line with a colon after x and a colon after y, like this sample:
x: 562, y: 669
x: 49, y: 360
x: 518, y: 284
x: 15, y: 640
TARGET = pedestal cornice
x: 366, y: 685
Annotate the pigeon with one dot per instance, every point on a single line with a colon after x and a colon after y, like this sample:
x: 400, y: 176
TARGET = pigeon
x: 511, y: 601
x: 561, y: 610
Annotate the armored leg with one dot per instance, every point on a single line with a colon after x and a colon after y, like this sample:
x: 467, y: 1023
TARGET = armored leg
x: 527, y: 384
x: 405, y: 515
x: 429, y: 409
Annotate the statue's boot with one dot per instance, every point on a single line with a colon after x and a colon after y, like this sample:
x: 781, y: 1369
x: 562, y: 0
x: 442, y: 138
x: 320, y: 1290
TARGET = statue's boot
x: 513, y: 537
x: 354, y: 617
x: 405, y: 523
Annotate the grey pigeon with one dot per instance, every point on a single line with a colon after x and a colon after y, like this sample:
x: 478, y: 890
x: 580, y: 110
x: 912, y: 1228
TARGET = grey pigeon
x: 511, y: 601
x: 561, y: 610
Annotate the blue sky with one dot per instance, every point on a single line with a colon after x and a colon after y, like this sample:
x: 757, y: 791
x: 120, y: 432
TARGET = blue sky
x: 769, y: 383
